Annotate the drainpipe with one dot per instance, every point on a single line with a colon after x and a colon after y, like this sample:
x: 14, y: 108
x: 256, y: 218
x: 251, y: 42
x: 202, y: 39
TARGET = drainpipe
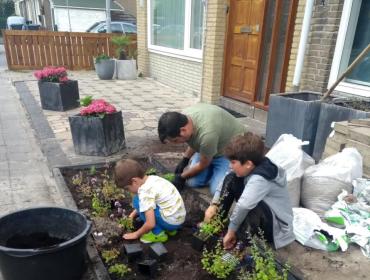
x: 302, y: 44
x: 107, y: 7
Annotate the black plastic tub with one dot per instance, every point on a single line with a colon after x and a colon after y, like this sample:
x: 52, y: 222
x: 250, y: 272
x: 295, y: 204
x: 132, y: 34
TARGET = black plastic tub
x: 42, y: 244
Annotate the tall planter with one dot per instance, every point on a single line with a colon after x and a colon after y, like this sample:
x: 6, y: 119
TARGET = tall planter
x: 334, y: 112
x: 59, y: 96
x: 96, y: 136
x: 105, y: 69
x: 126, y: 69
x: 294, y: 113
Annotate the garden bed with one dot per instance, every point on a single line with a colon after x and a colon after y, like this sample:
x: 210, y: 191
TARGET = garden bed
x: 182, y: 261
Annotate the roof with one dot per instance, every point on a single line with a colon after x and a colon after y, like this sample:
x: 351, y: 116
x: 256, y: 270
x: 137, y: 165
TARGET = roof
x: 90, y: 4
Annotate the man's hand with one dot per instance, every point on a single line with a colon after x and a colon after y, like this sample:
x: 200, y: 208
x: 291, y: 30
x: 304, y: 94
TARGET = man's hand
x: 131, y: 236
x: 182, y: 164
x: 229, y: 240
x: 179, y: 182
x: 210, y: 213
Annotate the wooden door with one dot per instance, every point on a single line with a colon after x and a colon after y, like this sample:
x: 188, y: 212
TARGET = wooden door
x: 243, y: 49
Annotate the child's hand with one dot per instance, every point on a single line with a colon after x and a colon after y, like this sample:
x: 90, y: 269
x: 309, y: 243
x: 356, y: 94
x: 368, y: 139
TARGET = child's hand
x: 229, y: 240
x: 131, y: 236
x: 210, y: 213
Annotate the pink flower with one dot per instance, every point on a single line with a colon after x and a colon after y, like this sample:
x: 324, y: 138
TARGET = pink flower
x: 52, y: 74
x: 97, y: 107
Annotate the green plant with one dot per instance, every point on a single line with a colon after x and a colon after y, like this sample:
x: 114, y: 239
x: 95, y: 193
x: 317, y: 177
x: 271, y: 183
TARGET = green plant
x: 122, y: 43
x: 219, y: 262
x: 99, y: 208
x: 102, y: 57
x: 110, y: 255
x: 151, y: 171
x: 119, y: 270
x: 214, y: 226
x: 169, y: 176
x: 86, y: 101
x: 126, y: 223
x: 264, y: 267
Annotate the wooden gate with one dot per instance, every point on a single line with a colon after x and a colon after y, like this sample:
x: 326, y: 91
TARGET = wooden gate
x: 74, y: 50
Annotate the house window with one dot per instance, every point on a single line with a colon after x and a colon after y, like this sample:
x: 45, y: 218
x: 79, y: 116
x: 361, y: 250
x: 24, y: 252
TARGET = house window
x: 176, y: 27
x: 353, y: 37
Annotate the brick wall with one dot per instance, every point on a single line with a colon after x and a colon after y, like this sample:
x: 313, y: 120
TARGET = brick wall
x: 321, y: 44
x: 183, y: 75
x: 213, y: 51
x: 142, y: 39
x: 295, y: 43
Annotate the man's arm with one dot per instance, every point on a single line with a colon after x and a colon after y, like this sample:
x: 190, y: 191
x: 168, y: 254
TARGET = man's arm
x: 203, y: 163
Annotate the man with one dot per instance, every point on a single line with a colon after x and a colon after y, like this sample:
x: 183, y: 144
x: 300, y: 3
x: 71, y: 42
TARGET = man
x: 207, y: 129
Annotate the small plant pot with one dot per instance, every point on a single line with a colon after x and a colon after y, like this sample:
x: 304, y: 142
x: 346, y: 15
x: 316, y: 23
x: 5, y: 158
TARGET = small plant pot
x: 126, y: 69
x: 133, y: 251
x: 158, y: 251
x: 148, y: 267
x: 96, y: 136
x: 105, y: 69
x: 198, y: 241
x: 59, y: 96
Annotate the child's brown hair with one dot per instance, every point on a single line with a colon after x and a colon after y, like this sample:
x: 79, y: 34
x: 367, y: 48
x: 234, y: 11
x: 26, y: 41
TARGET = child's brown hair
x: 245, y: 147
x: 125, y: 170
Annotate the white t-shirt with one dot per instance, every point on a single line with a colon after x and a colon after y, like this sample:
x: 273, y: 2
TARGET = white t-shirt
x: 158, y: 192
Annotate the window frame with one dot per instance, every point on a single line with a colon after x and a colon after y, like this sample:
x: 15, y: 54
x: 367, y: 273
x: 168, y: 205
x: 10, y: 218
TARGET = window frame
x: 187, y: 53
x: 345, y: 37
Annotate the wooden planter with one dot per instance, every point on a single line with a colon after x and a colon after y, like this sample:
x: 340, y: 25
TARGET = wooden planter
x: 59, y: 96
x: 94, y: 136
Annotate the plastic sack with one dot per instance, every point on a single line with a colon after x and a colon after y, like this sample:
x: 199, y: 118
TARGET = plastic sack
x: 309, y: 231
x: 287, y: 153
x: 322, y: 183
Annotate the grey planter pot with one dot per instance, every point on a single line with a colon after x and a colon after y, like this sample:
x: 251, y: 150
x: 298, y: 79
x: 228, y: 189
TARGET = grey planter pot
x: 96, y: 136
x: 59, y: 96
x: 105, y: 69
x: 333, y: 113
x: 126, y: 69
x: 293, y: 113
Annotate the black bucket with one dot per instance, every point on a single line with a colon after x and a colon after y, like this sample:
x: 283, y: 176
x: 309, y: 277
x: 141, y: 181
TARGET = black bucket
x: 43, y: 244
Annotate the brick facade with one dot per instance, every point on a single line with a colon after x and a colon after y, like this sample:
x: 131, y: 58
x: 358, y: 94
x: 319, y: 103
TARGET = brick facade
x: 213, y: 51
x: 321, y: 45
x: 181, y: 74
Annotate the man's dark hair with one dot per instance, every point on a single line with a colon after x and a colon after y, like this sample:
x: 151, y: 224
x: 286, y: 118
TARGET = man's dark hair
x: 169, y: 125
x: 245, y: 147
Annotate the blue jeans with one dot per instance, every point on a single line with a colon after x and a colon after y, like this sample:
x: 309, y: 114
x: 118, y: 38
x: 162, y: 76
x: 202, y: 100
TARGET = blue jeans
x: 213, y: 175
x: 160, y: 224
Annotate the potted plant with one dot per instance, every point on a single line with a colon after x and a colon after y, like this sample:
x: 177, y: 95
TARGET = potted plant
x: 104, y: 67
x: 125, y: 63
x: 57, y: 92
x: 98, y: 129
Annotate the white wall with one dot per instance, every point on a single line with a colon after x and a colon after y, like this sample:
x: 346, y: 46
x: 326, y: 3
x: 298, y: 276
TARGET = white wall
x: 80, y: 19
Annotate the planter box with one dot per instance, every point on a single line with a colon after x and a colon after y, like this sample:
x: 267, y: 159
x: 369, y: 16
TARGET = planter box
x: 59, y: 96
x: 126, y: 69
x: 293, y: 113
x: 331, y: 112
x: 94, y: 136
x: 105, y: 69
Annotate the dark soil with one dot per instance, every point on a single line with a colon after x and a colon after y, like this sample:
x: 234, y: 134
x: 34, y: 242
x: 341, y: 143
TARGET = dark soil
x: 182, y: 262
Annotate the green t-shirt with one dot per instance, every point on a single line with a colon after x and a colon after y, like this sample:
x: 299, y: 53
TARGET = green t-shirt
x: 213, y: 129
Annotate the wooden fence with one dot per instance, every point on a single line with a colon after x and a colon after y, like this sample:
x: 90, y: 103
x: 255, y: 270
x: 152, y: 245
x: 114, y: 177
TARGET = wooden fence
x: 74, y: 50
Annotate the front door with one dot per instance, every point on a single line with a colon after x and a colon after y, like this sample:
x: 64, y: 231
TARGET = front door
x: 243, y: 49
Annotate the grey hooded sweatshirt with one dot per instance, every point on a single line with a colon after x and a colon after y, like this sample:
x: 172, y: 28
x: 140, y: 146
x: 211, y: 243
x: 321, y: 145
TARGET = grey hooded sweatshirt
x: 267, y: 182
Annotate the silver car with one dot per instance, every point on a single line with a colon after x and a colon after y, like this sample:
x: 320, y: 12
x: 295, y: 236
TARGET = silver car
x: 121, y: 27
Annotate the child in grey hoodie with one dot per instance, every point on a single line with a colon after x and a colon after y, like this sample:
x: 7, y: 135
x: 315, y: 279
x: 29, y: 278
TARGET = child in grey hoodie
x: 259, y: 188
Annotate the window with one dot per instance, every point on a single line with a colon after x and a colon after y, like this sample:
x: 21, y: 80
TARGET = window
x: 353, y: 37
x: 176, y: 27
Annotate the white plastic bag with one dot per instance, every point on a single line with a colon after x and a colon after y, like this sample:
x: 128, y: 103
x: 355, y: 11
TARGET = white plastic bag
x: 322, y: 183
x: 287, y: 153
